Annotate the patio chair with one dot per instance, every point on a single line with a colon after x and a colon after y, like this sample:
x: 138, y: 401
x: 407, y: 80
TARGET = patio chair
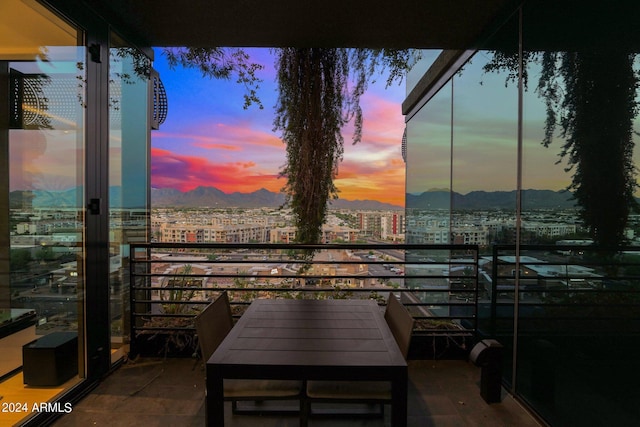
x: 212, y: 326
x: 366, y: 392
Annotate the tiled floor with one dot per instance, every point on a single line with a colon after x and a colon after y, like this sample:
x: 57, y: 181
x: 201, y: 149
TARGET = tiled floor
x: 170, y: 392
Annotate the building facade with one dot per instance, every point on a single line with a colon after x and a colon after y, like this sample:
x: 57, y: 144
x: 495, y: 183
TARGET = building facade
x: 381, y: 225
x: 194, y: 233
x: 330, y: 234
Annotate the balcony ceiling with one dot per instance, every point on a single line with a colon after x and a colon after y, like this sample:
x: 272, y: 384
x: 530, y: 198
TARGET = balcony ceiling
x: 305, y: 23
x: 438, y: 24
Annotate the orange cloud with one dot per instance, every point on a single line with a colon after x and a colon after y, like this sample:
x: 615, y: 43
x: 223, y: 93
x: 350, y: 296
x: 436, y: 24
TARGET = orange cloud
x: 383, y: 181
x: 355, y: 180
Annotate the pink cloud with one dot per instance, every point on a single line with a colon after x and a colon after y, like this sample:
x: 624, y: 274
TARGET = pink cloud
x: 241, y: 134
x: 184, y: 172
x: 239, y: 156
x: 383, y: 121
x: 355, y: 181
x: 213, y: 146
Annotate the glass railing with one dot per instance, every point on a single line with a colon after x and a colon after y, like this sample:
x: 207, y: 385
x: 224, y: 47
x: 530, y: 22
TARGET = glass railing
x: 171, y: 283
x: 575, y: 321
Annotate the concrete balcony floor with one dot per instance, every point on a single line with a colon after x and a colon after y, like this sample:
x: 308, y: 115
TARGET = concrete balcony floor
x: 170, y: 392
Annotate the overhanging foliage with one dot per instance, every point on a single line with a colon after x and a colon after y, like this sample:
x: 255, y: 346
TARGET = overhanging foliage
x: 590, y: 98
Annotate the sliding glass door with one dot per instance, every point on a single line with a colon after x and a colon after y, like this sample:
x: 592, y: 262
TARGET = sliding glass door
x: 42, y: 215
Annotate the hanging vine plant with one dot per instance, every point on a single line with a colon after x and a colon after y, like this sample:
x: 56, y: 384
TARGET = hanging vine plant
x: 590, y: 99
x: 595, y: 116
x: 319, y: 93
x: 311, y: 113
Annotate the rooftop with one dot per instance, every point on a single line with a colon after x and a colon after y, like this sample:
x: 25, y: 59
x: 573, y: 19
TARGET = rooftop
x: 170, y: 392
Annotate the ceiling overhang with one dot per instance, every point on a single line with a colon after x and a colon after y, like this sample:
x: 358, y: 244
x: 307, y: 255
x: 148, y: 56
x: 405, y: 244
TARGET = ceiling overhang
x: 431, y: 24
x: 440, y: 24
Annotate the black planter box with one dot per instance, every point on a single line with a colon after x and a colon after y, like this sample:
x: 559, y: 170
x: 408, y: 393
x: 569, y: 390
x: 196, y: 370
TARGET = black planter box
x: 50, y: 360
x: 429, y: 346
x: 165, y: 344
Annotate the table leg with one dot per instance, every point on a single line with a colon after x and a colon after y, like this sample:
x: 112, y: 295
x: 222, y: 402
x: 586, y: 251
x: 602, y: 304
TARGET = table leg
x: 399, y: 395
x: 214, y: 397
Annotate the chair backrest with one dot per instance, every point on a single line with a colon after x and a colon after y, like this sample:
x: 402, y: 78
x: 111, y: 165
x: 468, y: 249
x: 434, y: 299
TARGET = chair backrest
x: 400, y: 322
x: 213, y: 325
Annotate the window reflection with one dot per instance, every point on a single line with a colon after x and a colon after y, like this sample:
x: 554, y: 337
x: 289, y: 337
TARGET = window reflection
x: 128, y: 178
x: 41, y: 264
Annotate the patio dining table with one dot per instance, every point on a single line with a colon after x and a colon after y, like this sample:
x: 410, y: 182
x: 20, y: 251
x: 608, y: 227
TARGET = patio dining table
x: 309, y: 340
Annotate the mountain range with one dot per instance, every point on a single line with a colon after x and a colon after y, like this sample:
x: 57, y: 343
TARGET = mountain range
x: 434, y: 199
x: 215, y: 198
x: 484, y: 200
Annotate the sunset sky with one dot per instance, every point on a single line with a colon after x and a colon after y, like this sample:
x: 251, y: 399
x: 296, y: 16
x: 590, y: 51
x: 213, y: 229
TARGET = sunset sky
x: 210, y: 140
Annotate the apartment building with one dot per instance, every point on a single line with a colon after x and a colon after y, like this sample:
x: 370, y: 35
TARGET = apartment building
x: 381, y: 225
x: 197, y: 233
x: 330, y: 234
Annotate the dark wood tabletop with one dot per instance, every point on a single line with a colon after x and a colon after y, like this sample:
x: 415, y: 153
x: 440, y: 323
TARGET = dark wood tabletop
x: 306, y: 340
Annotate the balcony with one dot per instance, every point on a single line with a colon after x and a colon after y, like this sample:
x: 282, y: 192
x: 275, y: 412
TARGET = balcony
x: 170, y: 392
x: 575, y: 310
x: 171, y: 283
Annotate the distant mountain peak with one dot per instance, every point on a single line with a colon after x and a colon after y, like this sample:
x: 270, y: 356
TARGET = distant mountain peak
x: 486, y: 200
x: 213, y: 197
